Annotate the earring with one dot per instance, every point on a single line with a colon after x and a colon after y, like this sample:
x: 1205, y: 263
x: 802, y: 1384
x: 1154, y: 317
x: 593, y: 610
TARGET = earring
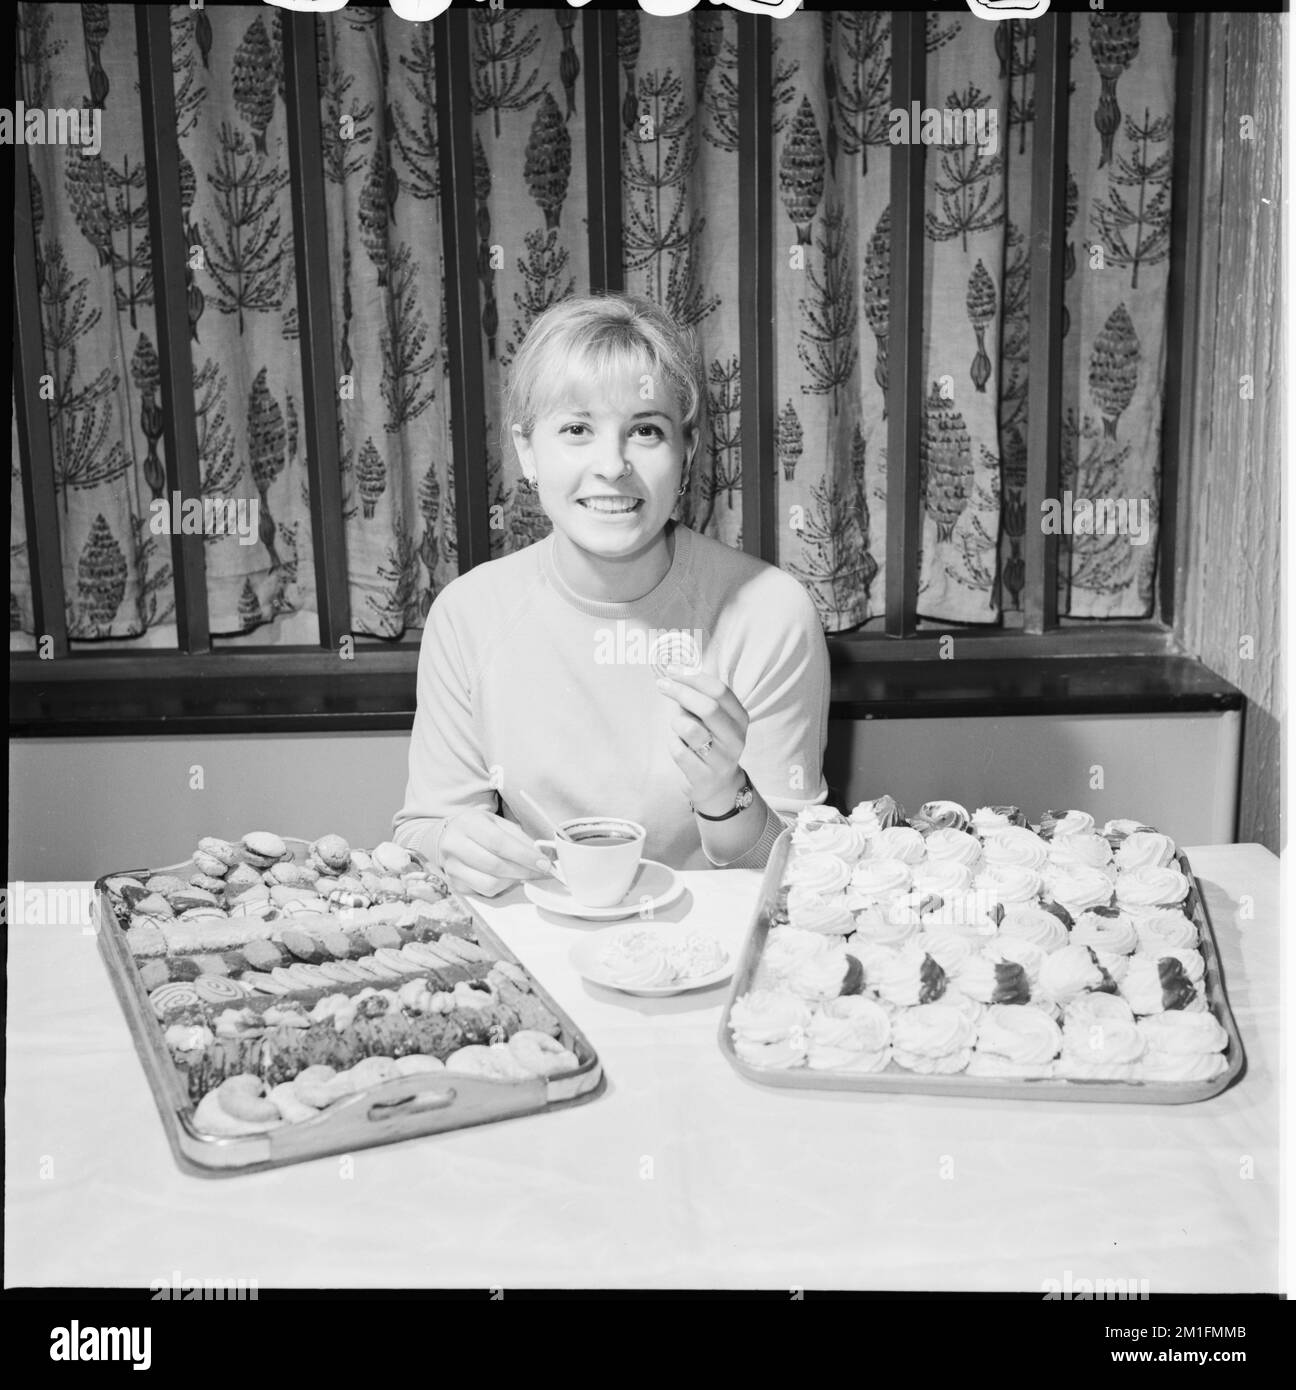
x: 528, y: 482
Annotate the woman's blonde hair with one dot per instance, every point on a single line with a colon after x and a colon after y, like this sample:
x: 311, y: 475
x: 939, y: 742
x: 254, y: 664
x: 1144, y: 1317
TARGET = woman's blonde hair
x: 596, y: 338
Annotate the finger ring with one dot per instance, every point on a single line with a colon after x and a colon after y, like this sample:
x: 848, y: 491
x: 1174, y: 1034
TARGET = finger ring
x: 704, y: 749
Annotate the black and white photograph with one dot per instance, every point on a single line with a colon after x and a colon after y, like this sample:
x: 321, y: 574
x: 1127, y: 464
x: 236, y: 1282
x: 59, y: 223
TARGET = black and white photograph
x: 647, y: 660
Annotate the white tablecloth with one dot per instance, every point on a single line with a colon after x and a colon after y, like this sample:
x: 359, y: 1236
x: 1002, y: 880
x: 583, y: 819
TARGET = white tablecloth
x: 682, y: 1175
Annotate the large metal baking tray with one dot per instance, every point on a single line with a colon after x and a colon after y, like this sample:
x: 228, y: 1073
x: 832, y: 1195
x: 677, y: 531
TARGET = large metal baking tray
x: 898, y: 1079
x: 402, y: 1108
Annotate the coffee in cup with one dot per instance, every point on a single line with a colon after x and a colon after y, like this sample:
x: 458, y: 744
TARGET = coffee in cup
x: 598, y: 857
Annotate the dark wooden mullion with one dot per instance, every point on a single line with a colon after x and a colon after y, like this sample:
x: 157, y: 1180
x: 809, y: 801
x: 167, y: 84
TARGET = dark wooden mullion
x: 315, y: 328
x: 603, y: 150
x: 171, y: 315
x: 905, y: 336
x: 756, y: 286
x: 1183, y: 295
x: 35, y: 440
x: 1048, y: 237
x: 454, y: 99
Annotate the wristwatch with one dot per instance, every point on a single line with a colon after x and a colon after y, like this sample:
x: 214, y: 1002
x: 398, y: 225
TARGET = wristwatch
x: 746, y: 795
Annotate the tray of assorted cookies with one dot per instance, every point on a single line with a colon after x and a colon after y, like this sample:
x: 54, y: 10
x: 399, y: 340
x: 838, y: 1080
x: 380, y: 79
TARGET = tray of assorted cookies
x: 978, y: 954
x: 292, y: 998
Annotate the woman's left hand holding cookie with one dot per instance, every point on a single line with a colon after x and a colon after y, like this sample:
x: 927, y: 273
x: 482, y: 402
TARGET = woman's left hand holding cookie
x: 710, y: 731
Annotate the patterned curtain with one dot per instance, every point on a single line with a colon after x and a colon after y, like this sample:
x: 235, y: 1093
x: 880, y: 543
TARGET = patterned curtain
x: 832, y: 124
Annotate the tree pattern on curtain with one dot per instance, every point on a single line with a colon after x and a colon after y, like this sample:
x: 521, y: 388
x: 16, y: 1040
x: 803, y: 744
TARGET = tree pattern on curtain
x: 678, y: 100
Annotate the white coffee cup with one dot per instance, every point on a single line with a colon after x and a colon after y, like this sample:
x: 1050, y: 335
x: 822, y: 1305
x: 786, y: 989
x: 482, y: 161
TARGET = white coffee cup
x: 598, y: 857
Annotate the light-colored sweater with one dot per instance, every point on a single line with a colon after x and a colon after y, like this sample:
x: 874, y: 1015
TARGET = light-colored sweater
x: 522, y: 683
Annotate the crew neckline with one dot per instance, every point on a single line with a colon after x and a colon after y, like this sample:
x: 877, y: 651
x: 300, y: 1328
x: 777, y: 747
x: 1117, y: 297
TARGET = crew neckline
x: 671, y: 583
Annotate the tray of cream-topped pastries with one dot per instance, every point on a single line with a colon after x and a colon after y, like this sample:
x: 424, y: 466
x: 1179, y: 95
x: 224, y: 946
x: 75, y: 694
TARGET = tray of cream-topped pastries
x: 977, y: 954
x: 291, y: 999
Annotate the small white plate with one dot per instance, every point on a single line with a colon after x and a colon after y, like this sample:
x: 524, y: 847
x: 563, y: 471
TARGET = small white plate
x: 654, y: 885
x: 586, y: 956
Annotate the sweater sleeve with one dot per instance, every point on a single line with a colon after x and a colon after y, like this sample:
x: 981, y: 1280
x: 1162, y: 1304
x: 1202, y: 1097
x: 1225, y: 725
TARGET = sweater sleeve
x: 447, y: 772
x: 784, y: 673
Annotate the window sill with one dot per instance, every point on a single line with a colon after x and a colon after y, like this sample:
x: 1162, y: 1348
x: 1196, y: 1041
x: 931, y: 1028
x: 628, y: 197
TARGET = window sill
x: 309, y: 691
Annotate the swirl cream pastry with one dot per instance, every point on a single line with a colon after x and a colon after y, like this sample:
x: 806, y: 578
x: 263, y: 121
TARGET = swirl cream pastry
x: 1097, y: 1008
x: 912, y: 977
x: 1118, y: 829
x: 1030, y: 922
x: 813, y: 911
x: 1015, y: 1042
x: 1068, y: 972
x: 1161, y: 928
x: 786, y: 949
x: 1194, y: 966
x: 948, y: 949
x: 988, y: 820
x: 1066, y: 822
x: 933, y: 1038
x: 1150, y: 889
x: 1145, y: 849
x: 944, y: 815
x: 882, y: 812
x: 1181, y: 1066
x: 877, y: 878
x: 1012, y: 950
x: 837, y: 837
x: 970, y: 913
x: 769, y: 1028
x: 1184, y: 1033
x: 992, y: 982
x: 849, y: 1034
x: 888, y: 921
x: 954, y: 845
x: 825, y: 873
x: 824, y: 976
x: 1080, y: 847
x: 873, y: 959
x: 1100, y: 1050
x: 637, y: 958
x: 1106, y: 930
x: 1154, y: 985
x: 900, y: 842
x: 941, y: 876
x: 1009, y: 884
x: 1018, y: 846
x: 1078, y: 886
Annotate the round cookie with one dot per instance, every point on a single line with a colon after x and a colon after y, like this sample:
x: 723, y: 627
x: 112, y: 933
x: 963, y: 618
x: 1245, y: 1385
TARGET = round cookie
x: 263, y: 848
x: 208, y: 882
x: 171, y: 997
x: 165, y: 884
x: 219, y: 849
x: 303, y: 947
x: 390, y: 858
x: 219, y: 989
x: 242, y: 878
x: 209, y: 865
x: 333, y: 852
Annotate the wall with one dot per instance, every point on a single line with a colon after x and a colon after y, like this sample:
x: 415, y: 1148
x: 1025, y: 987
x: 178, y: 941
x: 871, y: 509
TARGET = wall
x: 80, y: 808
x: 1230, y: 585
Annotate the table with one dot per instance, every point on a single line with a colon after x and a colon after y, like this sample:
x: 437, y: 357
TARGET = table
x: 682, y: 1175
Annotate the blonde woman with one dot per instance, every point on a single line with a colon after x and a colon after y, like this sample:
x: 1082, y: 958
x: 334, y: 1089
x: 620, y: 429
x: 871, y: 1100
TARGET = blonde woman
x: 544, y: 670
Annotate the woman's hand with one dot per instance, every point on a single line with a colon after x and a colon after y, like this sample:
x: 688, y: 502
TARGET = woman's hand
x: 481, y: 852
x: 711, y: 733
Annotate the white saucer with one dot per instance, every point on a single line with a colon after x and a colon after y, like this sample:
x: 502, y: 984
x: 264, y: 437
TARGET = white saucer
x: 655, y: 885
x: 586, y: 957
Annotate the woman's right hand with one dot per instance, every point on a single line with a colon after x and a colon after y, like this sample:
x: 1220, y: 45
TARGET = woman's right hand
x: 481, y: 852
